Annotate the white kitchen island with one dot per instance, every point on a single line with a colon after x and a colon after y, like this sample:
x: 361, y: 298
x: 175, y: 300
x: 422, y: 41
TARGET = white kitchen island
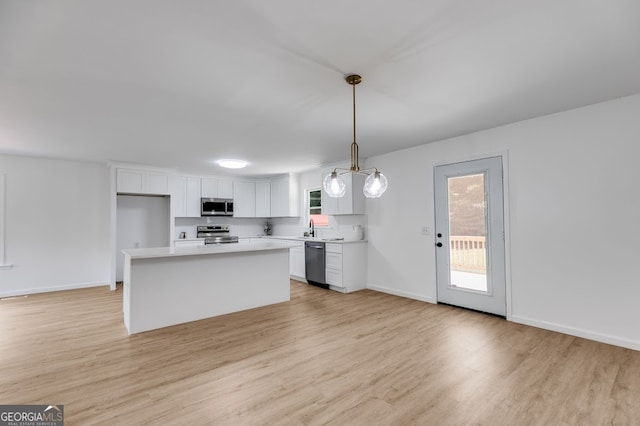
x: 166, y: 286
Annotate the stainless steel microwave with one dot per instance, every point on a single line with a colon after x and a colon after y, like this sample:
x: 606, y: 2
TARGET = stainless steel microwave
x: 216, y: 207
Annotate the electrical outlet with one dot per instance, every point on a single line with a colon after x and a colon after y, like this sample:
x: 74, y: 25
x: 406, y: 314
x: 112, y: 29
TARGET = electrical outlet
x: 426, y: 230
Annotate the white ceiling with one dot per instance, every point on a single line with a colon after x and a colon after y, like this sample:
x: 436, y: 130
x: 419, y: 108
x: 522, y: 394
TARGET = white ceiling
x: 181, y: 83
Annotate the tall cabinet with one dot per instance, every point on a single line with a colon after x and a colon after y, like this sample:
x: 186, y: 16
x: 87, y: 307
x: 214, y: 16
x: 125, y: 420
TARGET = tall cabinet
x: 244, y: 199
x: 185, y: 196
x: 263, y: 199
x: 285, y: 196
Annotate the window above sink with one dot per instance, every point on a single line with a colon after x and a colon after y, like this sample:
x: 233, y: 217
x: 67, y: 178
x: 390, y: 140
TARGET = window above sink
x: 314, y: 208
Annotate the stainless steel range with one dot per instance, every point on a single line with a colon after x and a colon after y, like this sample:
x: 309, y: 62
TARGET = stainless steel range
x: 216, y: 234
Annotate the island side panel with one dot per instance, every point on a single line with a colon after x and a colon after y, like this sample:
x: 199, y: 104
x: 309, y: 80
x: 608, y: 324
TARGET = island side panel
x: 173, y: 290
x: 126, y: 289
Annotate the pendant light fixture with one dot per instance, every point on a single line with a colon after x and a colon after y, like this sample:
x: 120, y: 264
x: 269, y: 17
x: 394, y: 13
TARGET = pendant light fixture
x: 375, y: 184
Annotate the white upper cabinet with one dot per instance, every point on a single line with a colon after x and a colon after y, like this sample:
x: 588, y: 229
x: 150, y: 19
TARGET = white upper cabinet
x: 192, y: 208
x: 225, y: 188
x: 263, y: 199
x: 157, y: 183
x: 209, y: 188
x: 216, y: 188
x: 353, y: 201
x: 130, y: 181
x: 178, y: 186
x: 185, y: 196
x: 273, y: 198
x: 279, y: 193
x: 278, y: 197
x: 285, y: 196
x: 244, y: 199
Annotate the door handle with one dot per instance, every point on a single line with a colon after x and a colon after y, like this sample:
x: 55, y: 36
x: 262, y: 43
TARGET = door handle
x: 439, y: 244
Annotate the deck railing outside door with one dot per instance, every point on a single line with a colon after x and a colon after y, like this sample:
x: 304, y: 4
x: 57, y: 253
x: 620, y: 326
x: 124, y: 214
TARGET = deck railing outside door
x: 468, y: 254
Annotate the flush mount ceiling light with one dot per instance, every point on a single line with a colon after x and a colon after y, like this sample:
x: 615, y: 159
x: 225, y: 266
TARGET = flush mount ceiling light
x: 375, y: 184
x: 232, y: 164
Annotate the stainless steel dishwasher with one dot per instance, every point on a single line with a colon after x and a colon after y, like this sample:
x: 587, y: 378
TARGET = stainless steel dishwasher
x: 314, y: 263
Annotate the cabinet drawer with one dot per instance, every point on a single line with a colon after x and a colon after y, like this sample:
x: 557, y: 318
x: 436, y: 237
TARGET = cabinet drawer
x: 333, y: 248
x: 333, y: 277
x: 333, y: 260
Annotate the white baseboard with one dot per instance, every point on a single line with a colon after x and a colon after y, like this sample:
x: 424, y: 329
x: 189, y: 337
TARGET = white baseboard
x: 23, y: 292
x: 579, y: 332
x: 406, y: 294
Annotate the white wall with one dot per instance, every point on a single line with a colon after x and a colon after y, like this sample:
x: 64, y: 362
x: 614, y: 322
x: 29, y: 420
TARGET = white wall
x: 574, y: 219
x: 56, y: 225
x: 2, y: 209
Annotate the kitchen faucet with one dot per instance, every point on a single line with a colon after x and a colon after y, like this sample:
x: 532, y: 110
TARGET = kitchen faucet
x: 312, y: 229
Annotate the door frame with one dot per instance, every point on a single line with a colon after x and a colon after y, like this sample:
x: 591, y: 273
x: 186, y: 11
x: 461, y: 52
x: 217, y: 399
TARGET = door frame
x: 504, y: 155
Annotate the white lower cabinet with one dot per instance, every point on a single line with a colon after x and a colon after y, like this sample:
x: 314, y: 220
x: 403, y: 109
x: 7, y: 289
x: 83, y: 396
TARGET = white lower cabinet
x: 334, y: 277
x: 346, y: 266
x: 333, y: 264
x: 297, y: 269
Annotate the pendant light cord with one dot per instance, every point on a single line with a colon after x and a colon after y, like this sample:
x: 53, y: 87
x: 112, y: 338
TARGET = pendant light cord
x: 375, y: 184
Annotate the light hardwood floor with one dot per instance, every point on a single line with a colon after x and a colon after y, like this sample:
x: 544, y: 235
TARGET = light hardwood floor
x: 365, y: 358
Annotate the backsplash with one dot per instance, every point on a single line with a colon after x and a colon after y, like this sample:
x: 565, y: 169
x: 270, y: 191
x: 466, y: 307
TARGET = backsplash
x: 241, y: 227
x: 339, y: 226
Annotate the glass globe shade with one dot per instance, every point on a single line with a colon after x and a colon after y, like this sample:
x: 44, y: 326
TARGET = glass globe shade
x: 375, y: 185
x: 334, y: 185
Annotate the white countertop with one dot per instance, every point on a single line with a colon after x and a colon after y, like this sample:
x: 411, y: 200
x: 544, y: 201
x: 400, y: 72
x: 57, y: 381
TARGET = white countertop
x: 293, y: 238
x: 147, y: 253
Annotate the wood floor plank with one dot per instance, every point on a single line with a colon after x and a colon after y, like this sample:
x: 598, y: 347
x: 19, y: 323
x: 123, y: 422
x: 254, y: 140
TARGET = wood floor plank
x: 322, y: 358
